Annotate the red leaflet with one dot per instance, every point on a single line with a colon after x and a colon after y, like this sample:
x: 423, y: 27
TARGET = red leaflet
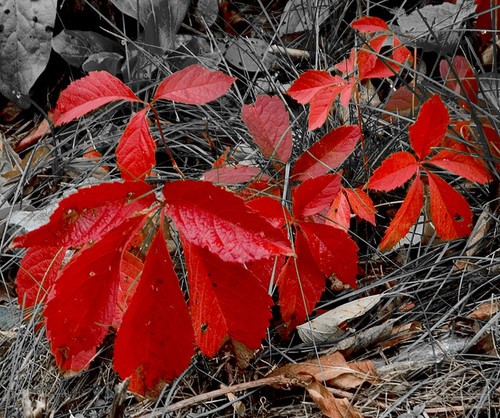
x: 349, y: 64
x: 321, y: 104
x: 369, y: 24
x: 130, y: 271
x: 234, y: 174
x: 88, y: 214
x: 269, y: 124
x: 314, y: 195
x: 227, y: 302
x: 406, y: 216
x: 450, y: 212
x: 430, y: 127
x: 361, y: 204
x: 466, y: 84
x: 333, y: 251
x: 395, y: 171
x: 310, y: 83
x: 88, y: 93
x: 300, y: 284
x: 37, y: 273
x: 271, y: 210
x: 84, y: 299
x: 135, y: 154
x: 328, y: 153
x: 339, y: 215
x: 370, y: 65
x: 194, y: 85
x: 213, y: 218
x: 155, y: 342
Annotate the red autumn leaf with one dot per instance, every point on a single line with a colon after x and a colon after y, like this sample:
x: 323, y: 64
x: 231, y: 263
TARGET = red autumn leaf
x: 466, y: 84
x: 333, y: 250
x: 430, y: 127
x: 88, y: 214
x: 300, y: 284
x: 372, y: 66
x: 266, y: 270
x: 269, y: 124
x: 135, y: 154
x: 194, y: 85
x: 310, y: 83
x: 314, y: 195
x: 271, y: 210
x: 82, y: 304
x: 88, y: 93
x: 450, y: 212
x: 395, y: 171
x: 321, y: 104
x: 234, y: 174
x: 155, y: 342
x: 361, y: 204
x: 213, y: 218
x: 400, y: 53
x: 406, y: 216
x: 369, y: 24
x: 339, y: 215
x: 328, y: 153
x: 349, y: 64
x: 37, y: 273
x: 227, y: 302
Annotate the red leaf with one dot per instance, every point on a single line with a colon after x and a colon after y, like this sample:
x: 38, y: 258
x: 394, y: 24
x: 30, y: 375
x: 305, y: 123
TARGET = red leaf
x: 130, y: 270
x: 88, y: 214
x: 300, y: 284
x: 406, y: 216
x: 369, y: 24
x: 328, y: 153
x: 37, y: 273
x: 271, y: 210
x: 347, y: 66
x: 88, y: 93
x: 395, y: 171
x: 314, y: 195
x: 194, y: 85
x: 310, y: 83
x: 135, y: 154
x: 450, y: 212
x: 227, y: 302
x: 234, y: 174
x: 333, y: 250
x: 321, y: 104
x: 339, y: 215
x: 466, y: 84
x: 155, y: 343
x: 370, y: 65
x: 361, y: 204
x: 269, y: 124
x: 430, y: 127
x: 82, y: 304
x: 213, y: 218
x: 400, y: 53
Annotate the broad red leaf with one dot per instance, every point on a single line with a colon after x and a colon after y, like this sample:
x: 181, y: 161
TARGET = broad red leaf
x: 395, y: 171
x: 155, y: 342
x: 37, y: 273
x: 321, y: 104
x: 194, y: 85
x: 369, y: 24
x: 234, y: 174
x: 269, y: 124
x: 213, y: 218
x: 88, y: 214
x: 328, y: 153
x: 82, y: 304
x: 450, y: 212
x: 300, y: 284
x: 314, y: 195
x: 271, y: 210
x: 430, y: 127
x: 310, y: 83
x: 333, y: 250
x: 466, y: 84
x: 88, y: 93
x: 361, y: 204
x: 135, y: 154
x: 339, y: 215
x: 406, y: 216
x: 227, y: 302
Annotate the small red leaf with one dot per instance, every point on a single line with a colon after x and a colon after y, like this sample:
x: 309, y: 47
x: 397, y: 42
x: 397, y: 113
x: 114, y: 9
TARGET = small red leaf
x: 88, y: 93
x: 339, y: 215
x: 395, y: 171
x: 194, y: 85
x: 234, y: 174
x: 155, y: 342
x: 370, y: 65
x: 271, y: 210
x: 37, y: 273
x: 321, y: 104
x: 406, y: 216
x: 460, y: 162
x: 310, y: 83
x: 213, y: 218
x: 450, y: 212
x: 430, y: 127
x: 88, y: 214
x: 347, y: 66
x: 82, y: 303
x: 227, y: 302
x: 369, y: 24
x: 361, y: 204
x: 314, y: 195
x: 135, y: 154
x: 269, y: 124
x: 328, y: 153
x: 466, y: 84
x: 333, y: 250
